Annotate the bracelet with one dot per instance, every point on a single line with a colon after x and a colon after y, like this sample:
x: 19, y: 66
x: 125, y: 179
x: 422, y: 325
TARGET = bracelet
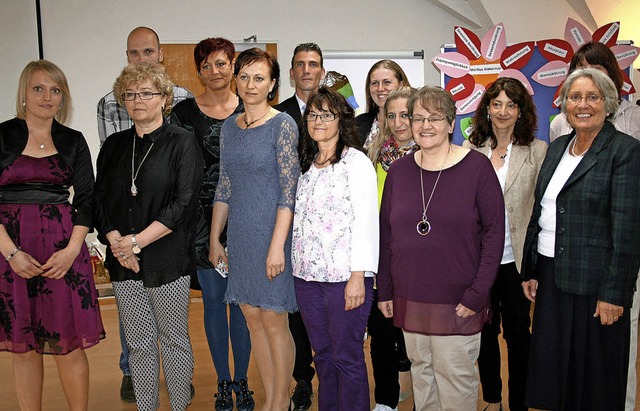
x: 13, y: 253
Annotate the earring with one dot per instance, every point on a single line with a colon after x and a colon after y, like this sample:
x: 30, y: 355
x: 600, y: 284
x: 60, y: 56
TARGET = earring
x: 488, y: 117
x: 24, y: 104
x: 163, y: 108
x: 519, y: 115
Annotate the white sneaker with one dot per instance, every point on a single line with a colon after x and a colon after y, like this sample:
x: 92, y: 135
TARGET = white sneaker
x: 380, y: 407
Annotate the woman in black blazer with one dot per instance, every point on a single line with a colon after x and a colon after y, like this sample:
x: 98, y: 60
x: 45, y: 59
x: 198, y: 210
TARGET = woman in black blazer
x: 582, y: 253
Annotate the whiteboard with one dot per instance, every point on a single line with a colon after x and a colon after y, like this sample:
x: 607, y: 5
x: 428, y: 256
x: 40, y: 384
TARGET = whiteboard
x: 357, y: 67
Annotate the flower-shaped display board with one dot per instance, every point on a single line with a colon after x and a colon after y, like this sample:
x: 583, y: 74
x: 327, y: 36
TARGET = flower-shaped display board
x: 472, y: 64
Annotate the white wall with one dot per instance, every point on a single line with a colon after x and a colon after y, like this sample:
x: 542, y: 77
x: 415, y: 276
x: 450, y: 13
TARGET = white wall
x: 87, y: 39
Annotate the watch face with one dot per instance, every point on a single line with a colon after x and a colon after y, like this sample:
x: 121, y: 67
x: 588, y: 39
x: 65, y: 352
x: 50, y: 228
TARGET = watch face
x: 136, y: 249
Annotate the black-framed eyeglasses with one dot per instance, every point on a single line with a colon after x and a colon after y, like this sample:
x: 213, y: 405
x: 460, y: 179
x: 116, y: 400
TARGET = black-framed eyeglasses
x: 430, y: 120
x: 324, y: 117
x: 144, y: 95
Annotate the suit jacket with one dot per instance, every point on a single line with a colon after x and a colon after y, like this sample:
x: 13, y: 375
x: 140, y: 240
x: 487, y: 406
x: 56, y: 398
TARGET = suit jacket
x: 524, y: 166
x: 364, y: 122
x: 73, y: 149
x: 291, y: 107
x: 597, y: 246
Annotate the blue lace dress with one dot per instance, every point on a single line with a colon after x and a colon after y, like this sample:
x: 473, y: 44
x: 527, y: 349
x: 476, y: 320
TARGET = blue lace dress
x: 258, y: 175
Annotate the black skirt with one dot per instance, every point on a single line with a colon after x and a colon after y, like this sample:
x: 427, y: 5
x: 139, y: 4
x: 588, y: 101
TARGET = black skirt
x: 575, y: 363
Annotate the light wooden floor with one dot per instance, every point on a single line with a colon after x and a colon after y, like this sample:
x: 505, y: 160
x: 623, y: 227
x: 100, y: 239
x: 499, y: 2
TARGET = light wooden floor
x: 106, y: 375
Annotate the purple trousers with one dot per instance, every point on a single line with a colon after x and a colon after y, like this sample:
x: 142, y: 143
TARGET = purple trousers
x: 337, y: 337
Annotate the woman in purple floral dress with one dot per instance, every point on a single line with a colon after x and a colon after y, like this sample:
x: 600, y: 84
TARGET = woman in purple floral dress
x: 48, y: 301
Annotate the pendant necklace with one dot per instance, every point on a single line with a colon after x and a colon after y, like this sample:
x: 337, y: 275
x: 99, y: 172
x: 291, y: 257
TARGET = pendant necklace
x: 249, y: 124
x: 134, y: 175
x: 424, y: 227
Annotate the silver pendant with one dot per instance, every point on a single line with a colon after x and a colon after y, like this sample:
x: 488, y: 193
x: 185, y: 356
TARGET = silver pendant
x: 423, y: 227
x: 41, y: 146
x: 134, y: 189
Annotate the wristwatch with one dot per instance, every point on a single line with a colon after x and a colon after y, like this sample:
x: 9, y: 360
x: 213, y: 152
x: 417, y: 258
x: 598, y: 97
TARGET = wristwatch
x: 135, y: 247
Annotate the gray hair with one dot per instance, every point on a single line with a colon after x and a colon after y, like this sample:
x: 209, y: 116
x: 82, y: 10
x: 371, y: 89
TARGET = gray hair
x: 605, y: 86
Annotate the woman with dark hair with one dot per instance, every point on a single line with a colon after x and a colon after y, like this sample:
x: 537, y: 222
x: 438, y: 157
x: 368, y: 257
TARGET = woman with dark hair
x: 335, y: 248
x: 596, y: 55
x: 204, y: 116
x: 582, y: 254
x: 256, y: 194
x: 504, y: 130
x: 627, y: 119
x: 146, y: 200
x: 48, y: 300
x: 383, y: 77
x: 437, y: 266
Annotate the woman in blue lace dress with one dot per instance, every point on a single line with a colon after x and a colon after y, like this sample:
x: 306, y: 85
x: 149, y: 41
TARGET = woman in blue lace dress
x: 256, y: 193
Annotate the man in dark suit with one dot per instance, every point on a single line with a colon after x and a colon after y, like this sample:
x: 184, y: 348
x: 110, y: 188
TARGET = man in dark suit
x: 306, y: 72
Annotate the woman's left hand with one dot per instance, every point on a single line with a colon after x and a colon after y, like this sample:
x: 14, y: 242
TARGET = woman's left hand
x: 608, y: 313
x: 464, y: 312
x: 275, y: 261
x: 59, y: 263
x: 354, y: 291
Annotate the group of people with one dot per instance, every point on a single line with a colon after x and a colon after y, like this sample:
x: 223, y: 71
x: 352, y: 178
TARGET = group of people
x: 311, y: 226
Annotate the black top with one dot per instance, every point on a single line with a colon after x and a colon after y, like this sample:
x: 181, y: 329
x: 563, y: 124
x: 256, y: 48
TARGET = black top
x: 292, y: 108
x: 168, y: 184
x: 364, y: 122
x: 73, y: 149
x: 188, y: 115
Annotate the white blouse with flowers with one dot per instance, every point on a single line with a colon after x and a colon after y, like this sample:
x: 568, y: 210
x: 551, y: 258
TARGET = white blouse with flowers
x: 335, y: 227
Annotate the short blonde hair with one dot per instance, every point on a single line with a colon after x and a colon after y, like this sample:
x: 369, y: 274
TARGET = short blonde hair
x: 143, y: 71
x: 56, y: 75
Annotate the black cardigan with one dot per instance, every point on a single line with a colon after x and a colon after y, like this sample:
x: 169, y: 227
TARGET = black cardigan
x: 73, y: 149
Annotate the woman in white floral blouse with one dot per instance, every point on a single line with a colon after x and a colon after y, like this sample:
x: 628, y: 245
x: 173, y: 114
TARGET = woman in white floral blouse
x: 335, y: 248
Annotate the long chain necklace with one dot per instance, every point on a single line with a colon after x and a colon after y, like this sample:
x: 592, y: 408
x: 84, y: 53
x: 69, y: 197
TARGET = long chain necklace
x: 249, y: 124
x: 424, y: 227
x: 134, y: 175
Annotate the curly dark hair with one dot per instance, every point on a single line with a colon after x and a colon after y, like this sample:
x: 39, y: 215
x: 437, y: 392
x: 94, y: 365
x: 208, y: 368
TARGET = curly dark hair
x: 327, y: 99
x: 527, y: 124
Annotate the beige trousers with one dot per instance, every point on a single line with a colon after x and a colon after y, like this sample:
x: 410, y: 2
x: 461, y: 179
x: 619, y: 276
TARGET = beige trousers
x: 444, y: 371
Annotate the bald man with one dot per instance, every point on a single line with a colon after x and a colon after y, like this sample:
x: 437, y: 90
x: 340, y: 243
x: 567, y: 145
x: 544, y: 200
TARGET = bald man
x: 143, y: 44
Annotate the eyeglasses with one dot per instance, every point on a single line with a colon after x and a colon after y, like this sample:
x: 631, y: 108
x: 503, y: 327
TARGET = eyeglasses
x: 324, y: 117
x: 144, y: 95
x: 430, y: 120
x: 590, y: 98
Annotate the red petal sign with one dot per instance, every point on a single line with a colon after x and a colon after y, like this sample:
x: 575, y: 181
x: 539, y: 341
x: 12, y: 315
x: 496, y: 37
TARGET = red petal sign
x: 556, y: 49
x: 517, y: 56
x: 607, y: 34
x: 467, y: 43
x: 461, y: 88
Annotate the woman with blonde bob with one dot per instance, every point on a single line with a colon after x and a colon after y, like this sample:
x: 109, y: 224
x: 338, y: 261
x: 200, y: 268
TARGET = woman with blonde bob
x: 146, y: 198
x: 48, y: 301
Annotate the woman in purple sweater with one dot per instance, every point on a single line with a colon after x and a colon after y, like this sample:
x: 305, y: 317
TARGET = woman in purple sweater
x: 441, y: 240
